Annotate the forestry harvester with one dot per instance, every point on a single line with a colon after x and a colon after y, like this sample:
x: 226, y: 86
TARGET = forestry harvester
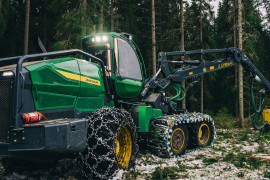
x: 99, y: 107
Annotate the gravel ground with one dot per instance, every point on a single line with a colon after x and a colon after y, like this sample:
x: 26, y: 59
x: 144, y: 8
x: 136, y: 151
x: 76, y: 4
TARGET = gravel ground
x: 229, y: 158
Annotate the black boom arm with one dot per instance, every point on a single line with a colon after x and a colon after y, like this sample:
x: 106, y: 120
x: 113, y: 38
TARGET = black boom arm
x: 198, y: 68
x: 233, y: 57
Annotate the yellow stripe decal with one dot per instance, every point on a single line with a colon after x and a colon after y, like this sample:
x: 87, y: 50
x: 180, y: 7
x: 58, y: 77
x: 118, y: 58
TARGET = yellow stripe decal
x: 79, y: 78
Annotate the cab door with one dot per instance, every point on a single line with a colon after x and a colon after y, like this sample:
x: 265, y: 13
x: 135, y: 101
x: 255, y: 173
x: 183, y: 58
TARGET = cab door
x: 128, y: 76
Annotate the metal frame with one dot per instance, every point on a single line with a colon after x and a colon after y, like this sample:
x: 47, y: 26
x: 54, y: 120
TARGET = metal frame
x: 18, y: 83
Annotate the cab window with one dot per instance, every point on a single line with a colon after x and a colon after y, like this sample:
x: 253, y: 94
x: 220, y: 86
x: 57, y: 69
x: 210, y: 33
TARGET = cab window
x: 129, y: 66
x: 102, y: 52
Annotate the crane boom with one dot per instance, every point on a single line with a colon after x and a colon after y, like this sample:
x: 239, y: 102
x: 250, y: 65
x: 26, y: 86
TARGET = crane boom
x: 198, y: 68
x: 233, y: 57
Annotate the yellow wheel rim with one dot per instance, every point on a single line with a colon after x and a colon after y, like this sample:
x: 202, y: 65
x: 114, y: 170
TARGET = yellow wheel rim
x: 177, y: 139
x: 204, y: 133
x: 123, y: 149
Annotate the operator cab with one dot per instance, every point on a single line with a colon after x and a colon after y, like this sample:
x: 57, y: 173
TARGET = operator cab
x: 118, y: 52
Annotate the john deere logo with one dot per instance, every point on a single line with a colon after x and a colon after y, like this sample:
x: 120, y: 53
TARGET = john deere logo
x: 79, y: 78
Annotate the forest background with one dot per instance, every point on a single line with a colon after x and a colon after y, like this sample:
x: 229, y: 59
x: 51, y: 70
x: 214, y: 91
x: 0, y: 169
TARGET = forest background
x: 61, y: 24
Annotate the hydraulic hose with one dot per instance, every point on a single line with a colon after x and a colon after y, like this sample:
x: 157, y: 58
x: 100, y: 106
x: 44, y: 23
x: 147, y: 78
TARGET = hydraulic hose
x: 256, y: 111
x: 179, y: 88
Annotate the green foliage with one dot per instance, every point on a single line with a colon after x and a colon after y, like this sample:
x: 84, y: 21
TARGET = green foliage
x: 241, y: 174
x: 224, y: 119
x: 266, y: 174
x: 182, y: 167
x: 237, y: 159
x: 132, y: 174
x: 209, y: 112
x: 243, y: 160
x: 165, y: 173
x: 4, y: 10
x: 209, y: 161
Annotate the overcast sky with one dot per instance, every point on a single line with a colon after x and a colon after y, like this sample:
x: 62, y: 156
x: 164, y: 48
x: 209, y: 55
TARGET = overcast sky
x: 215, y: 4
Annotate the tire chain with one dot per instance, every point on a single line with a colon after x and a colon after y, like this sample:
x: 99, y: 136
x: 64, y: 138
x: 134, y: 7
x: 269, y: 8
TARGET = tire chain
x: 106, y: 119
x: 162, y: 128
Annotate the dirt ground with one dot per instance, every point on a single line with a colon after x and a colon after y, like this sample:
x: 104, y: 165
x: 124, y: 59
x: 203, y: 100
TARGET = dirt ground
x: 236, y: 154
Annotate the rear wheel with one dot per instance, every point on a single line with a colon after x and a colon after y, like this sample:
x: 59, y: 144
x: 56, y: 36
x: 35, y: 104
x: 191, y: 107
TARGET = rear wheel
x: 204, y: 134
x: 111, y: 144
x: 167, y: 138
x: 201, y: 134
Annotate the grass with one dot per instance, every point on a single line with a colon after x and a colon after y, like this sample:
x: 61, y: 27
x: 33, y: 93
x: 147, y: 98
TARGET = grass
x: 244, y: 137
x: 232, y: 150
x: 170, y: 172
x: 262, y: 149
x: 200, y: 156
x: 224, y: 119
x: 241, y: 160
x: 182, y: 167
x: 165, y: 173
x: 132, y: 174
x: 209, y: 161
x: 241, y: 174
x: 266, y: 174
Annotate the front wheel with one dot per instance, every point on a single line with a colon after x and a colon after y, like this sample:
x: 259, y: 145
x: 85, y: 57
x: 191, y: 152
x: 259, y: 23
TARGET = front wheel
x: 111, y: 143
x: 179, y: 140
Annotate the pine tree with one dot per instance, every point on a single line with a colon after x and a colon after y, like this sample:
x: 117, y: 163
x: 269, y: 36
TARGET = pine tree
x: 26, y: 30
x: 4, y: 10
x: 112, y: 14
x: 84, y: 9
x: 198, y: 35
x: 241, y: 93
x: 154, y: 38
x: 182, y: 47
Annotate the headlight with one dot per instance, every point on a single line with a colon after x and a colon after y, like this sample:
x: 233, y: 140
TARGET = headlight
x: 8, y: 73
x: 104, y: 38
x: 98, y: 39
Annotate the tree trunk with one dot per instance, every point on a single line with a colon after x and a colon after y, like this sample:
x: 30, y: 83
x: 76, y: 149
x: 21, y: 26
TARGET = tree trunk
x: 26, y: 30
x: 84, y: 8
x: 14, y: 41
x: 45, y: 29
x: 112, y: 15
x: 201, y: 39
x: 154, y: 38
x: 240, y: 46
x: 182, y: 44
x: 101, y: 19
x: 236, y: 67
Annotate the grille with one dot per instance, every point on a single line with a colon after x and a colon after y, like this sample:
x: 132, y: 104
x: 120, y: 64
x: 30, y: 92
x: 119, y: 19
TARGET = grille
x: 6, y: 93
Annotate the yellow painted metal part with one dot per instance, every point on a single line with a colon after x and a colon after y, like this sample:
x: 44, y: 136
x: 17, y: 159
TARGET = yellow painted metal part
x: 183, y: 142
x: 266, y: 114
x: 123, y: 149
x: 79, y: 78
x: 204, y: 133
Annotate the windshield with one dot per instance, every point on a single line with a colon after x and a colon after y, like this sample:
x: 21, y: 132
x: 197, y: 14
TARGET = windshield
x: 99, y: 51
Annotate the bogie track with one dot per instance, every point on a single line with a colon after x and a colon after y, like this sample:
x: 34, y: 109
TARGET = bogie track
x: 172, y: 135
